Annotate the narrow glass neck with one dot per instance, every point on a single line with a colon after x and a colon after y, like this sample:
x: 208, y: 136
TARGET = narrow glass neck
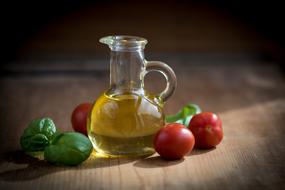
x: 125, y: 70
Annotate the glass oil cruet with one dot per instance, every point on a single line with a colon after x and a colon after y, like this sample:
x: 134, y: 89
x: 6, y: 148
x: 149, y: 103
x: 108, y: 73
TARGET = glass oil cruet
x: 125, y: 118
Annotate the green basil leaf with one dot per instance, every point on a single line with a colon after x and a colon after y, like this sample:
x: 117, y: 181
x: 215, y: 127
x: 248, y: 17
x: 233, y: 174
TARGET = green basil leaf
x: 174, y: 118
x: 36, y: 142
x: 184, y: 115
x: 38, y: 135
x: 70, y: 148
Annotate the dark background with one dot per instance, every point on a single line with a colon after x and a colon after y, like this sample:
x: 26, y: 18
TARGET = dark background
x: 62, y: 28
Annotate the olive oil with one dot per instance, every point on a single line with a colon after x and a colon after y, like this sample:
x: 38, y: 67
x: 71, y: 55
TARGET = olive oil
x: 125, y: 124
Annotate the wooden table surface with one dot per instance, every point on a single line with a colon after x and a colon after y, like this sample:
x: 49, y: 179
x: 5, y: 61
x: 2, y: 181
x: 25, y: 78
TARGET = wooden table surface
x: 248, y: 96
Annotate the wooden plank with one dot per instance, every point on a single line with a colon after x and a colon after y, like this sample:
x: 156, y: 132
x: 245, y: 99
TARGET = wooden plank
x: 250, y: 157
x: 249, y: 98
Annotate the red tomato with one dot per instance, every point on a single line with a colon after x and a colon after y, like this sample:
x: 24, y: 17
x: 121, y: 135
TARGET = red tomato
x: 79, y: 117
x: 207, y: 129
x: 173, y: 141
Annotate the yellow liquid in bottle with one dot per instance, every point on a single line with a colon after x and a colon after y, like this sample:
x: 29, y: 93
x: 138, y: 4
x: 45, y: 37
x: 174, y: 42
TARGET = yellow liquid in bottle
x: 125, y: 125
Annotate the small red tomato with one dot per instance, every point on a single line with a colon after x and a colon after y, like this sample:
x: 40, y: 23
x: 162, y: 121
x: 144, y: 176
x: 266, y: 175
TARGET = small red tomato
x: 79, y: 117
x: 173, y: 141
x: 207, y: 129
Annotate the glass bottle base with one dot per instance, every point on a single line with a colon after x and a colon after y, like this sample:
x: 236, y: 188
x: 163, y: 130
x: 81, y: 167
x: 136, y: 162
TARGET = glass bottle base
x: 123, y: 147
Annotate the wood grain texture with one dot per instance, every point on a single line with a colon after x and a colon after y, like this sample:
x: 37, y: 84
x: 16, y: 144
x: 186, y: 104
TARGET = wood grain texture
x: 249, y: 99
x: 248, y: 158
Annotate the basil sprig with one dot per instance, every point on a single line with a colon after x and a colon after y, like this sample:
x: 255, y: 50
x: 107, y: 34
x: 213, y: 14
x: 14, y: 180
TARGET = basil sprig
x: 68, y: 148
x: 184, y: 115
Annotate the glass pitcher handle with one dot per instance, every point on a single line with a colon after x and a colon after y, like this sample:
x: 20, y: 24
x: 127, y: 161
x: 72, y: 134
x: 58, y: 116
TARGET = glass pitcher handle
x: 169, y: 75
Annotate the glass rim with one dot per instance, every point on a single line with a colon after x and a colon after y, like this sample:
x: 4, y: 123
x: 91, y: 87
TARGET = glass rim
x: 126, y: 41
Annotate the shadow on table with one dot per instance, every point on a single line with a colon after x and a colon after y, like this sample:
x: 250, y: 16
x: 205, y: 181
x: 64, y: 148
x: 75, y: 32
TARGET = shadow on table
x: 22, y: 167
x: 200, y: 151
x: 157, y: 161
